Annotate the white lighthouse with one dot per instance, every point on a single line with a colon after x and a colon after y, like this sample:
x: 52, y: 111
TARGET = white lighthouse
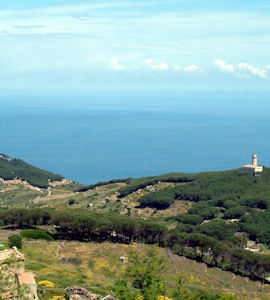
x: 254, y: 167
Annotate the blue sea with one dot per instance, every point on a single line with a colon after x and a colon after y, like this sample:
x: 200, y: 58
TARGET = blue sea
x: 91, y: 139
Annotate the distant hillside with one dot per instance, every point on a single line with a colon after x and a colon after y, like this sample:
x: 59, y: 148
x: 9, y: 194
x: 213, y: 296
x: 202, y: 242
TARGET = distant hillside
x: 11, y: 168
x: 220, y: 218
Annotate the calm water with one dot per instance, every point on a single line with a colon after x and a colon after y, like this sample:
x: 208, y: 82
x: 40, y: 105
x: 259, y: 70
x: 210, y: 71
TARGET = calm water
x: 96, y: 139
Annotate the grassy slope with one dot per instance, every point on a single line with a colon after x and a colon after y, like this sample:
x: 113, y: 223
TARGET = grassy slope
x: 97, y: 265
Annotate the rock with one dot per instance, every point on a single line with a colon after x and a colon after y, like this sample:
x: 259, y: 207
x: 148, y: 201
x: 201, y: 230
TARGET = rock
x: 76, y: 290
x: 123, y: 259
x: 102, y: 203
x: 79, y: 293
x: 108, y: 297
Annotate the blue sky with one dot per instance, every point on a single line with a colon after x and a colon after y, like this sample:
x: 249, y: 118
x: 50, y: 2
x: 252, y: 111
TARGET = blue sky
x: 90, y: 47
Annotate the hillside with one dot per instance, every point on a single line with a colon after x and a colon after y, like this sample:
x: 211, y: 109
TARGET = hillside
x: 228, y: 206
x: 217, y: 218
x: 97, y: 266
x: 12, y: 168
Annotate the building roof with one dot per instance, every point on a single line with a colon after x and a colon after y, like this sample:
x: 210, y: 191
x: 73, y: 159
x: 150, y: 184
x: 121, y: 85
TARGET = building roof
x: 26, y: 278
x: 252, y: 166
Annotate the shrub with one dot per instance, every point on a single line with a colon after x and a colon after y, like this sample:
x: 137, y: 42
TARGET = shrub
x: 235, y: 212
x: 189, y: 219
x: 209, y: 213
x: 71, y: 202
x: 159, y: 200
x: 230, y: 204
x: 36, y: 234
x: 218, y: 229
x: 15, y: 240
x: 75, y: 261
x: 255, y: 202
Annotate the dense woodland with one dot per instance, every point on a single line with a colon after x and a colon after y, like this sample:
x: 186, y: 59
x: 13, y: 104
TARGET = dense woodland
x: 11, y: 168
x: 92, y: 226
x: 227, y: 189
x: 224, y: 204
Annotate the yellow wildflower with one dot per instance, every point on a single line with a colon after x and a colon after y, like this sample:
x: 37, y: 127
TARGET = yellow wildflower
x: 46, y: 284
x: 163, y: 298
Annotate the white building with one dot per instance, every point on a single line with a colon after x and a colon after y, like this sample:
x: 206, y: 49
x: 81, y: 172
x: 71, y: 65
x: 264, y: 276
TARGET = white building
x: 254, y: 167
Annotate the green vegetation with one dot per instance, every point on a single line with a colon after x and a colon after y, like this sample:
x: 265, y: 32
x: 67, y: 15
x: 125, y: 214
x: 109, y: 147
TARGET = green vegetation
x: 140, y: 183
x: 145, y: 278
x: 15, y: 240
x: 92, y: 226
x: 208, y: 217
x: 145, y: 273
x: 36, y: 234
x: 92, y: 186
x: 224, y: 189
x: 11, y: 168
x: 231, y: 195
x: 18, y: 196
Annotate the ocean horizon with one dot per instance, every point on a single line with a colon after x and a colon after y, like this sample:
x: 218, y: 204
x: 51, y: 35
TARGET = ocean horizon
x: 92, y: 139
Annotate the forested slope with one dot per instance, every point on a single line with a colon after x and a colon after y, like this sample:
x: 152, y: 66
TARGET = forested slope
x: 11, y: 168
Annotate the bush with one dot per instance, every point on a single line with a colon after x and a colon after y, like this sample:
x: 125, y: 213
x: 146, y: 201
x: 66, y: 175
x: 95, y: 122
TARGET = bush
x: 189, y: 219
x: 256, y: 203
x: 71, y: 202
x: 235, y: 212
x: 230, y: 204
x: 36, y: 234
x: 15, y: 240
x: 159, y: 200
x: 209, y: 213
x: 218, y: 229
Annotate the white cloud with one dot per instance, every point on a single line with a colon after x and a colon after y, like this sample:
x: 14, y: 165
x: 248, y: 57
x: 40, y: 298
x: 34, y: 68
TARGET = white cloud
x: 115, y: 65
x: 161, y: 66
x: 252, y: 70
x: 176, y: 68
x: 221, y: 65
x: 242, y: 70
x: 192, y: 68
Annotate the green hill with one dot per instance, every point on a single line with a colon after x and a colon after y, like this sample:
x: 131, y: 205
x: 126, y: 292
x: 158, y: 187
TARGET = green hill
x: 211, y: 217
x: 11, y: 168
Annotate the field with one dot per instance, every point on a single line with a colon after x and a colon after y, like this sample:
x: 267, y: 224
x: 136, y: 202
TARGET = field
x: 97, y: 265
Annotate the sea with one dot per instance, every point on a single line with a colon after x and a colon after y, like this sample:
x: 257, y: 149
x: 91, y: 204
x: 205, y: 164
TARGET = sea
x: 99, y: 138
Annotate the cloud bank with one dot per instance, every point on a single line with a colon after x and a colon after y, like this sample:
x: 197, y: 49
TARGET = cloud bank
x: 242, y: 70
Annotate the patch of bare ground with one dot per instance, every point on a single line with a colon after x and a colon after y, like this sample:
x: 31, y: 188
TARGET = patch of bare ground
x: 18, y: 181
x: 132, y: 201
x: 9, y: 188
x: 50, y: 198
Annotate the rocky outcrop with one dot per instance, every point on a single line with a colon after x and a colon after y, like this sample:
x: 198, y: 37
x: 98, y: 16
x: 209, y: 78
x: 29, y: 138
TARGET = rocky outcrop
x: 19, y: 181
x: 79, y: 293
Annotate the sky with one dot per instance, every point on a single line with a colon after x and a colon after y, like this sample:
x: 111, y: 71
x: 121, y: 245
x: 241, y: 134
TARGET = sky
x: 91, y: 47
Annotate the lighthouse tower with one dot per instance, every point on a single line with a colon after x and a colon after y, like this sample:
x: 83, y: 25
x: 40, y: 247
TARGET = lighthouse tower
x: 254, y: 160
x: 254, y: 168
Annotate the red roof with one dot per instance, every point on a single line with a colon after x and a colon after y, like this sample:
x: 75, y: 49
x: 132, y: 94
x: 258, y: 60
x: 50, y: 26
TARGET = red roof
x: 26, y: 278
